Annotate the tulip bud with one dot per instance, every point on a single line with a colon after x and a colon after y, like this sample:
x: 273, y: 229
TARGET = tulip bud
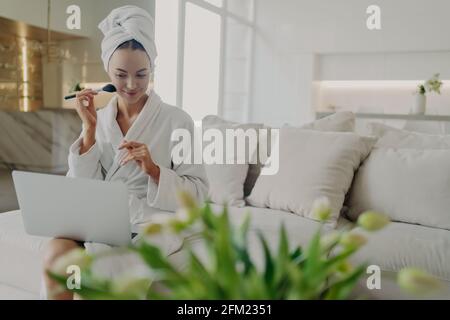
x: 353, y: 240
x: 133, y: 286
x: 372, y: 221
x: 417, y: 281
x: 77, y: 257
x: 153, y: 228
x: 344, y: 267
x: 321, y: 209
x: 186, y: 200
x: 183, y: 215
x: 159, y: 223
x: 176, y: 225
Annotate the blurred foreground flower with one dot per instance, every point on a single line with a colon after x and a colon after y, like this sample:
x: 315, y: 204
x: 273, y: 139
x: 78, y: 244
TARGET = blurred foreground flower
x: 321, y: 209
x: 353, y: 240
x: 133, y: 286
x: 372, y: 221
x: 417, y: 281
x: 77, y: 257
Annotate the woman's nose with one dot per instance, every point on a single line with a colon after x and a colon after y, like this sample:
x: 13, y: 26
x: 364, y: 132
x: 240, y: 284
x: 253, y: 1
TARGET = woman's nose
x: 131, y: 84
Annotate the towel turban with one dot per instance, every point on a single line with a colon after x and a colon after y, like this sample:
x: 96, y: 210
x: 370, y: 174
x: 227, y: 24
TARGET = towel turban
x: 124, y: 24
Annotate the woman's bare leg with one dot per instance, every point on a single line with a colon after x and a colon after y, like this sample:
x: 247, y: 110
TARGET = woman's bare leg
x: 55, y: 249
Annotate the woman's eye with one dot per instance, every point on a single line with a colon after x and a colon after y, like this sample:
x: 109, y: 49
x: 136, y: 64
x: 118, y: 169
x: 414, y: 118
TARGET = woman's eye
x: 120, y: 76
x: 141, y: 75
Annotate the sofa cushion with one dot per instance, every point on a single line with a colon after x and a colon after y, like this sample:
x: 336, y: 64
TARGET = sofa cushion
x: 22, y: 254
x: 406, y: 176
x: 299, y: 230
x: 13, y: 293
x: 312, y: 164
x: 401, y: 245
x: 390, y: 290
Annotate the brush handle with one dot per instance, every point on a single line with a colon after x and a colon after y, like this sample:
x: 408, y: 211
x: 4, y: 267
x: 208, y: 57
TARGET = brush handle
x: 74, y: 95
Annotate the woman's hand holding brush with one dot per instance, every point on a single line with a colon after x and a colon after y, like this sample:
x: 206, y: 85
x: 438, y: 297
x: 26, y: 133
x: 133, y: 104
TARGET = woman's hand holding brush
x: 88, y: 115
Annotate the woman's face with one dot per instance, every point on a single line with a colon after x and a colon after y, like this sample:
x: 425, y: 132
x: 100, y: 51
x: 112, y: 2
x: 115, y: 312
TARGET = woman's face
x: 129, y: 71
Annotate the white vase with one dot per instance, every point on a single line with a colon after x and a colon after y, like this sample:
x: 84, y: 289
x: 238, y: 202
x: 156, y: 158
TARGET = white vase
x: 420, y: 104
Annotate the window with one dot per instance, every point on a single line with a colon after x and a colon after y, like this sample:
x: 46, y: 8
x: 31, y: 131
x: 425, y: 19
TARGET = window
x: 217, y: 3
x: 236, y: 87
x: 201, y: 62
x: 205, y: 56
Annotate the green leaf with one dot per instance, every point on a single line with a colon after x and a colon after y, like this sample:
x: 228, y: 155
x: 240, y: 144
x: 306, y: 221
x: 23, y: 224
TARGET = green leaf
x: 337, y: 259
x: 296, y: 255
x: 313, y: 254
x: 200, y: 272
x: 208, y: 218
x: 341, y: 289
x: 314, y: 270
x: 240, y: 245
x: 154, y: 258
x: 283, y: 246
x: 241, y: 235
x: 269, y: 269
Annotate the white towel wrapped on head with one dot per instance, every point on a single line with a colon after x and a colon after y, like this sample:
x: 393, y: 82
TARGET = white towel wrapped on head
x: 124, y: 24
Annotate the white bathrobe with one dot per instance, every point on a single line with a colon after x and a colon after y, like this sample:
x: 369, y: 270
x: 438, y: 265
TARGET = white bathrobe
x: 153, y: 126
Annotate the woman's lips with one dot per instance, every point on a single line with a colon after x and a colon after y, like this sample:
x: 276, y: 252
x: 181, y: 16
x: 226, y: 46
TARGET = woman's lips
x: 130, y: 93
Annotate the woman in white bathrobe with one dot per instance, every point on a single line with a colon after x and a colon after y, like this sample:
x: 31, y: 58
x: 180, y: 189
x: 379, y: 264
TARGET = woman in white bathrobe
x: 129, y: 140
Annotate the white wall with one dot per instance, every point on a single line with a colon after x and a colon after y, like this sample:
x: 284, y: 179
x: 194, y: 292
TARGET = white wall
x: 299, y: 41
x: 382, y: 66
x: 326, y: 26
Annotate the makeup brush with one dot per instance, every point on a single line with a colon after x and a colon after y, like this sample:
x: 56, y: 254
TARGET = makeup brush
x: 107, y: 88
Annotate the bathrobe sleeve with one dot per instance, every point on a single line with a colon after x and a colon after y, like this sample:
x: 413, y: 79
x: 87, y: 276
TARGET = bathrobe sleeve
x: 186, y: 177
x: 86, y: 165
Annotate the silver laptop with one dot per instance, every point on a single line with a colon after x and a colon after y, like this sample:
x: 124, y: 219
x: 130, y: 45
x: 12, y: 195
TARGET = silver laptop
x: 73, y: 208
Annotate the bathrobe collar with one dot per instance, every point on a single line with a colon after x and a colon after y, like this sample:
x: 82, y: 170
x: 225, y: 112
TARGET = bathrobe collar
x: 149, y: 111
x: 144, y: 119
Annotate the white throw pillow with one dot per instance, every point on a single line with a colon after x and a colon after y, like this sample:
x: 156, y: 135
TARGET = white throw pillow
x: 226, y: 181
x: 397, y: 138
x: 343, y: 121
x: 312, y: 164
x: 229, y: 184
x: 406, y: 176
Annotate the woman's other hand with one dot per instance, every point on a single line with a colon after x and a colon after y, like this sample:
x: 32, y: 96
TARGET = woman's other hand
x: 139, y: 152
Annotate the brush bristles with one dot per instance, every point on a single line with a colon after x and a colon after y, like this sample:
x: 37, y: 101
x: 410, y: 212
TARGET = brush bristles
x: 109, y: 88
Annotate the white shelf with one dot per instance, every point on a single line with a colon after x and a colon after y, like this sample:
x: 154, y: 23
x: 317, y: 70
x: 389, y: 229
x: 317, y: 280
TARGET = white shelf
x: 386, y: 116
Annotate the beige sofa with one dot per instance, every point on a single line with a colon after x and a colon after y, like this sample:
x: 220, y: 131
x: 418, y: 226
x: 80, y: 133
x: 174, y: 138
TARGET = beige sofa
x: 399, y: 245
x: 390, y: 249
